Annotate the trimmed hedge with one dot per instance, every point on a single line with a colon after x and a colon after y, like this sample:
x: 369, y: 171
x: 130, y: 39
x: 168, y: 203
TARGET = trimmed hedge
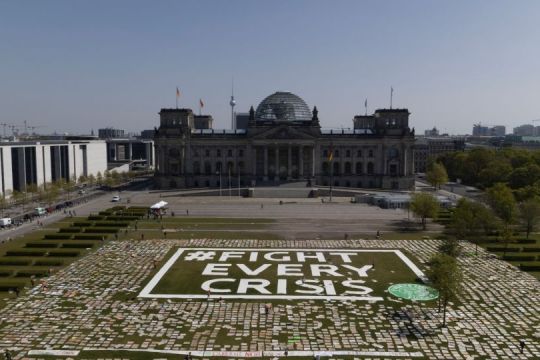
x: 5, y: 273
x: 82, y: 223
x: 9, y: 284
x: 41, y: 245
x: 111, y: 224
x: 531, y: 249
x: 101, y: 230
x: 89, y: 237
x: 530, y: 267
x: 64, y: 253
x: 57, y: 236
x: 122, y: 218
x: 14, y: 262
x: 501, y: 249
x: 70, y: 230
x: 519, y: 257
x: 96, y: 217
x: 46, y: 262
x: 25, y: 253
x: 29, y: 273
x: 77, y: 245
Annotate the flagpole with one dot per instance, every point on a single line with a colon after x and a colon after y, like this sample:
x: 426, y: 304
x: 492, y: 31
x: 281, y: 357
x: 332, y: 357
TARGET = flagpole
x: 365, y: 105
x: 331, y: 169
x: 391, y: 96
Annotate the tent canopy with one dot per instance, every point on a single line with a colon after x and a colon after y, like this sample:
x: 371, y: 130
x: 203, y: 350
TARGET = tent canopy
x: 159, y: 205
x: 415, y: 292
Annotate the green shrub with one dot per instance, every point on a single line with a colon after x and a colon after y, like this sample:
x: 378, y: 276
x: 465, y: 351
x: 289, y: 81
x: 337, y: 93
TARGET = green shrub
x: 25, y: 253
x: 9, y: 284
x: 526, y: 241
x: 82, y: 223
x: 101, y: 230
x: 5, y: 273
x: 501, y: 249
x: 29, y: 273
x: 57, y: 236
x: 111, y: 224
x: 46, y: 262
x: 70, y: 230
x: 89, y: 237
x: 96, y: 217
x: 123, y: 218
x: 519, y: 257
x: 14, y: 262
x: 531, y: 249
x: 77, y: 245
x: 40, y: 245
x: 64, y: 253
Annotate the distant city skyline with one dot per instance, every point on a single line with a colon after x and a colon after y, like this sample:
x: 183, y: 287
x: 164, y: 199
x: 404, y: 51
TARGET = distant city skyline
x: 77, y: 66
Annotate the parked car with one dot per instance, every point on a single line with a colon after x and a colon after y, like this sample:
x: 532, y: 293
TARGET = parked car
x: 115, y: 198
x: 40, y: 211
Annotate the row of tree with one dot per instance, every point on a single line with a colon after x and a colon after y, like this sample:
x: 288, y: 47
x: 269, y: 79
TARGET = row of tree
x: 483, y: 168
x: 50, y: 192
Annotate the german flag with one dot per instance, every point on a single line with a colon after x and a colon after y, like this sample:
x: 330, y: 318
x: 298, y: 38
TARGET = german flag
x: 331, y: 153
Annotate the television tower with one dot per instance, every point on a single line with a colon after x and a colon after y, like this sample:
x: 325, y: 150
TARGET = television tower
x: 232, y: 103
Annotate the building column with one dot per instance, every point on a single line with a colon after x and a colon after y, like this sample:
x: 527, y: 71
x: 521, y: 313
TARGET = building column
x: 289, y: 162
x: 277, y: 162
x: 301, y: 161
x: 130, y: 151
x: 313, y: 155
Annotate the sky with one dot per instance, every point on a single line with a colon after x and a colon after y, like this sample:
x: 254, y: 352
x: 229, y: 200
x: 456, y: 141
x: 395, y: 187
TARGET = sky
x: 73, y: 66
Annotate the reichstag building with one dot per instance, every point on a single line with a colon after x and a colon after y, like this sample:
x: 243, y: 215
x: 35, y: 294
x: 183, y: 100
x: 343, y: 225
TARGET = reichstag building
x: 282, y: 141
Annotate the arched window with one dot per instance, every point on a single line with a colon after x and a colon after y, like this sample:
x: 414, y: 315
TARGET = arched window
x: 241, y: 169
x: 348, y: 168
x: 336, y: 168
x: 230, y: 167
x: 325, y: 168
x: 348, y: 153
x: 196, y: 168
x: 359, y: 168
x: 359, y: 153
x: 218, y: 166
x: 336, y: 153
x: 370, y: 168
x: 370, y: 153
x: 207, y: 168
x: 325, y: 154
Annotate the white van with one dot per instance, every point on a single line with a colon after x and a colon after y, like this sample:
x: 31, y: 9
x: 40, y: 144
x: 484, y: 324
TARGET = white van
x: 40, y: 211
x: 5, y: 222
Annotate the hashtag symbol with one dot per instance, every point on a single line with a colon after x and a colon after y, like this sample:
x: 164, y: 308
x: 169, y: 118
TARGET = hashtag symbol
x: 200, y: 255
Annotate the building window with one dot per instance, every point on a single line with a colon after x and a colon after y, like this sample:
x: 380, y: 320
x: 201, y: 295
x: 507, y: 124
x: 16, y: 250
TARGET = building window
x: 229, y: 153
x: 370, y: 168
x: 359, y: 184
x: 393, y: 169
x: 336, y: 168
x: 196, y: 168
x: 348, y: 168
x: 241, y: 167
x: 207, y: 153
x: 370, y: 153
x: 325, y: 153
x: 347, y: 183
x: 348, y: 153
x: 218, y: 153
x: 207, y: 168
x: 336, y: 153
x: 359, y: 153
x: 325, y: 169
x: 218, y: 166
x: 241, y: 153
x: 359, y: 168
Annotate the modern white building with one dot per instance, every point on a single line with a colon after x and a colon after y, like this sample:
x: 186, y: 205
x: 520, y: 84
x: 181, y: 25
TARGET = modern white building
x: 38, y: 162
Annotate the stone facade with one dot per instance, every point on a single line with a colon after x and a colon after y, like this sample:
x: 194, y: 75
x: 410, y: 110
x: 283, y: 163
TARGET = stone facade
x: 376, y: 153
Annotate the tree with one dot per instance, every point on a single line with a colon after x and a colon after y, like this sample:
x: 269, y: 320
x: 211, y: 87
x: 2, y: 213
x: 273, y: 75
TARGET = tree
x: 82, y: 179
x: 437, y: 175
x: 529, y: 214
x: 52, y: 193
x: 446, y: 277
x: 502, y: 202
x: 3, y: 204
x: 69, y: 186
x: 20, y: 197
x: 469, y: 217
x: 91, y: 179
x: 99, y: 178
x: 424, y: 206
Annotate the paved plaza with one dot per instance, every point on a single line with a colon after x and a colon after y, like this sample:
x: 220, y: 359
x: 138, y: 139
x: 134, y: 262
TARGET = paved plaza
x: 93, y: 305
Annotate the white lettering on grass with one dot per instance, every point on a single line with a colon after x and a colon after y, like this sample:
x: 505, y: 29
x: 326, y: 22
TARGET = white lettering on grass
x: 362, y: 272
x: 318, y: 269
x: 282, y: 286
x: 255, y: 272
x: 318, y: 255
x: 207, y: 285
x: 289, y: 270
x: 231, y: 255
x: 353, y: 284
x: 253, y: 256
x: 214, y: 269
x: 255, y: 284
x: 270, y: 256
x: 309, y: 284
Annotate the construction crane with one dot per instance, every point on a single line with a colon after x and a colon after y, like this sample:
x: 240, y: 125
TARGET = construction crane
x: 4, y: 125
x: 32, y: 128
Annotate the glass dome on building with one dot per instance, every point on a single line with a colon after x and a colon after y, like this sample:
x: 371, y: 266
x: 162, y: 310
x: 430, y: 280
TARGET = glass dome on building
x: 283, y: 106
